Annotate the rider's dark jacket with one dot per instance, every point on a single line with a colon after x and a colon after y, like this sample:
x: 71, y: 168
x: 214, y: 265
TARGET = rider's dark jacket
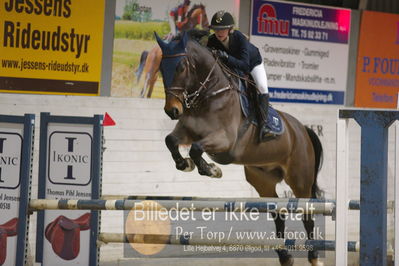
x: 243, y: 55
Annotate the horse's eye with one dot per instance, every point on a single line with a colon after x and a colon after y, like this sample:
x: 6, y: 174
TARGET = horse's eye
x: 180, y: 67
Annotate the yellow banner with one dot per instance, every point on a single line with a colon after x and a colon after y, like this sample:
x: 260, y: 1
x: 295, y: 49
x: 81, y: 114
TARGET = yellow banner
x: 51, y: 46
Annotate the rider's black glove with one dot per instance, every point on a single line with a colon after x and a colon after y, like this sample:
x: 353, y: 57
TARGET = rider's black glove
x: 222, y: 55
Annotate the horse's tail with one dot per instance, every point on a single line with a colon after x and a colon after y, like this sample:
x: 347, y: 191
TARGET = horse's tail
x: 318, y: 152
x: 139, y: 70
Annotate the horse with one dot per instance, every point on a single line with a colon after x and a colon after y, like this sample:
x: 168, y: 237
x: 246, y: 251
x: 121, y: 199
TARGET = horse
x: 196, y: 16
x: 149, y: 61
x: 205, y: 101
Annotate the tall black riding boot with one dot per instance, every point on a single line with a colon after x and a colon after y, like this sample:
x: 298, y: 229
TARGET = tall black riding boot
x: 263, y: 108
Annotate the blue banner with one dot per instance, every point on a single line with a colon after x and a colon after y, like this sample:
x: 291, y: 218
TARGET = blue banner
x: 306, y: 96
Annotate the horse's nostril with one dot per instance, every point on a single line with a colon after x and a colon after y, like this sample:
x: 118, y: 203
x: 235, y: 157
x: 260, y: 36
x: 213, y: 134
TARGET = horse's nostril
x: 173, y: 113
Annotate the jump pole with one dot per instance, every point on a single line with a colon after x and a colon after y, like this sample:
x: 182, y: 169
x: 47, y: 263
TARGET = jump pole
x: 341, y: 216
x: 278, y: 243
x: 352, y: 204
x: 326, y: 208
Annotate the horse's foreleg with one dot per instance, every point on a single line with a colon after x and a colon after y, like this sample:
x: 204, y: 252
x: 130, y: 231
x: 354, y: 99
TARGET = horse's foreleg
x: 215, y: 143
x: 183, y: 164
x: 204, y: 168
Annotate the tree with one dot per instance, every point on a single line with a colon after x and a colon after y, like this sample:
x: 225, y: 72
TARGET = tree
x: 133, y: 11
x: 130, y: 10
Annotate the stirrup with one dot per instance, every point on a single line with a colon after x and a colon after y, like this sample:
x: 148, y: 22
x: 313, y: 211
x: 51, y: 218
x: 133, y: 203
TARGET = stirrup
x: 265, y: 134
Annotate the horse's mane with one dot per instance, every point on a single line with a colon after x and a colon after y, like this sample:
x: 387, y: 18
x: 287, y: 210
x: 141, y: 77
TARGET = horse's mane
x: 195, y: 38
x: 194, y: 7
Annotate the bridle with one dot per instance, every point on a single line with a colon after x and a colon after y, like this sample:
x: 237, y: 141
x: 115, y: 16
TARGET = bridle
x: 192, y: 100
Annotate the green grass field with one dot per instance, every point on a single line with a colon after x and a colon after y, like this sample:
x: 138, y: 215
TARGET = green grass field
x: 126, y: 58
x: 139, y: 30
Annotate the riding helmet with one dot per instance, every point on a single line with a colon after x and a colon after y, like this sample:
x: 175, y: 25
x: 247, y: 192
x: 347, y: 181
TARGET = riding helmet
x: 222, y: 20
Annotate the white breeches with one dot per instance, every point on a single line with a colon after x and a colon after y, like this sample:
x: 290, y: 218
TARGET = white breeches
x: 172, y: 25
x: 259, y: 75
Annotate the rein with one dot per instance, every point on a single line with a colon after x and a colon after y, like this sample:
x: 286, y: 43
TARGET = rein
x: 190, y: 99
x: 174, y: 55
x: 229, y: 71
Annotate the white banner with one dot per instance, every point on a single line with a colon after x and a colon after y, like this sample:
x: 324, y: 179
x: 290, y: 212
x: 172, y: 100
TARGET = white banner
x: 305, y: 50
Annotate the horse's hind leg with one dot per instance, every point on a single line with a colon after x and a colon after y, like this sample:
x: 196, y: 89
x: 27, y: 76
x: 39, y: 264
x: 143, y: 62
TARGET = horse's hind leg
x: 283, y: 255
x: 265, y: 184
x: 308, y: 222
x: 152, y: 83
x: 302, y: 188
x: 145, y: 85
x: 183, y: 164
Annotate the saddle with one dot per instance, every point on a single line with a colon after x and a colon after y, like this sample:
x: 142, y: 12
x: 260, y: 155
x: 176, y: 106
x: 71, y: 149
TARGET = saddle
x: 248, y: 99
x: 6, y: 230
x: 64, y: 235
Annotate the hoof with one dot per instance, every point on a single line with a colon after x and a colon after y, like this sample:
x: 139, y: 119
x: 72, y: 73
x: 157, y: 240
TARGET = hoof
x: 317, y: 262
x: 185, y: 165
x: 142, y: 93
x: 216, y: 172
x: 285, y: 258
x: 190, y: 165
x: 288, y: 262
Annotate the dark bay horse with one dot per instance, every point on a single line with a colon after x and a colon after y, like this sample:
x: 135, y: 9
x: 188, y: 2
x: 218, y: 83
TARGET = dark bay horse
x: 206, y: 103
x: 149, y: 61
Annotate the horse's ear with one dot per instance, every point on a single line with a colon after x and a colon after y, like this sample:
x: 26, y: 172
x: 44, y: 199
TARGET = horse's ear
x: 184, y: 40
x: 161, y: 43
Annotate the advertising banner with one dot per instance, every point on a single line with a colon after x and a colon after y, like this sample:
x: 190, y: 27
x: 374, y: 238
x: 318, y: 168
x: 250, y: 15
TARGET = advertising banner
x: 136, y: 56
x: 377, y: 72
x: 305, y: 50
x: 69, y: 169
x: 10, y: 153
x: 16, y: 142
x: 69, y: 177
x: 51, y: 47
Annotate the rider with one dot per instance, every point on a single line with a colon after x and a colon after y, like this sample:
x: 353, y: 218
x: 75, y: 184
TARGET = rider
x: 238, y: 53
x: 178, y: 17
